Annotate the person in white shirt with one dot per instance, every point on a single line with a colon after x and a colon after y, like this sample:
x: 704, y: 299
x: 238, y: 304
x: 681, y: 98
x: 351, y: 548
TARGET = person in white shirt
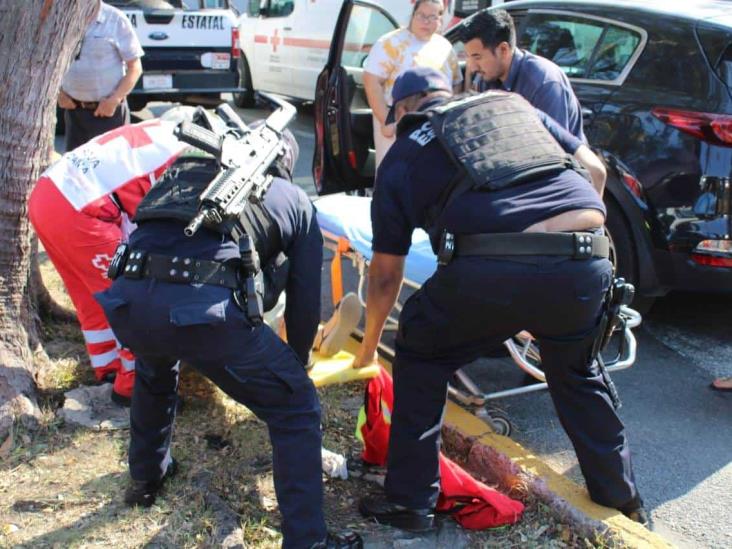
x: 417, y: 45
x: 94, y: 90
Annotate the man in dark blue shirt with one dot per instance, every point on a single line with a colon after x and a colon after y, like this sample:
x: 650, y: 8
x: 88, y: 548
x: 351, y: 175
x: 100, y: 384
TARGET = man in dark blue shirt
x: 479, y: 298
x: 490, y: 43
x: 182, y: 299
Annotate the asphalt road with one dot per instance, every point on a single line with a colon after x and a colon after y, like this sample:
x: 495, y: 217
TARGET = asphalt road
x: 680, y: 430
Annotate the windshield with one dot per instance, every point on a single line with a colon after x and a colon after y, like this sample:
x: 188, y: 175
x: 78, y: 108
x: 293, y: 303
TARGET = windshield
x: 185, y: 5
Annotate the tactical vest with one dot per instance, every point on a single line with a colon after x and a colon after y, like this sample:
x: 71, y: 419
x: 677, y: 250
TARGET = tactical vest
x: 498, y: 140
x: 176, y: 196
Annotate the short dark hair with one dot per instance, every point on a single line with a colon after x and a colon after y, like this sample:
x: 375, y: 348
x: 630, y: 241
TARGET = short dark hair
x: 492, y: 27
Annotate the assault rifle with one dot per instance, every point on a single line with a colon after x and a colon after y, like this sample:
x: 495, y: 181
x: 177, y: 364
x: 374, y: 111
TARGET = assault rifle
x: 244, y: 155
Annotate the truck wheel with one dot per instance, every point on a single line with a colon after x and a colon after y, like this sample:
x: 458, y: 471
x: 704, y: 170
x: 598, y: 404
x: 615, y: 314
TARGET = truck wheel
x: 246, y: 98
x: 622, y: 252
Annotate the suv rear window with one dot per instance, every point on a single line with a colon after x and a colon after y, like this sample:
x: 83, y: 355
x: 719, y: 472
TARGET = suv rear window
x: 583, y: 48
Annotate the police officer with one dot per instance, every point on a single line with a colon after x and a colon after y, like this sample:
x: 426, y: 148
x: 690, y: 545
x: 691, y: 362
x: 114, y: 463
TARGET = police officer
x: 516, y: 232
x: 94, y: 90
x: 181, y: 300
x: 490, y: 43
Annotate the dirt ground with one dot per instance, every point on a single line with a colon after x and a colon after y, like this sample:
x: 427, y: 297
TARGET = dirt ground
x: 61, y: 486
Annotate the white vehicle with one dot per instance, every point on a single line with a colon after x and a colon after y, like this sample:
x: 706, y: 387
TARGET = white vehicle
x: 191, y: 48
x: 285, y: 43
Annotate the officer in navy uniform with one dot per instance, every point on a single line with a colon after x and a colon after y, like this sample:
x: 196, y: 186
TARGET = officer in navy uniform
x: 495, y: 183
x: 181, y: 300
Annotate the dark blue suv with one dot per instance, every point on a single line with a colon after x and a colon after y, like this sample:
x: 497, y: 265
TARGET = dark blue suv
x: 655, y: 83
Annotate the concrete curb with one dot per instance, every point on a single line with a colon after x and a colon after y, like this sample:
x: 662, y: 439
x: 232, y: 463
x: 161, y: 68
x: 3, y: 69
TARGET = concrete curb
x: 500, y: 461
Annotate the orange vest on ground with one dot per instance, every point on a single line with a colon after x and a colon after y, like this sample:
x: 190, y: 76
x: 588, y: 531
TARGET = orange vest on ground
x: 473, y: 504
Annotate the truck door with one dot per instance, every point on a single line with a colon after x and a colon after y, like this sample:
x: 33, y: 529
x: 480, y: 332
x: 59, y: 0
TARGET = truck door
x: 344, y: 150
x: 272, y: 64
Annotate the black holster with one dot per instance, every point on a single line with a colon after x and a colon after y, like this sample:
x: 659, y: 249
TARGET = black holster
x: 620, y: 293
x: 251, y: 291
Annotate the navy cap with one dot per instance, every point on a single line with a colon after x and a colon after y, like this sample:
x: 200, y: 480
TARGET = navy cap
x: 414, y: 81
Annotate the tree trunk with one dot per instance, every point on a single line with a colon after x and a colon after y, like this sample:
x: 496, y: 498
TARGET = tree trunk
x: 37, y: 40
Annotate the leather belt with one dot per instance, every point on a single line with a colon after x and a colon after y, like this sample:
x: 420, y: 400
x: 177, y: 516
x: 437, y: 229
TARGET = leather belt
x: 87, y: 105
x: 181, y: 270
x: 577, y: 245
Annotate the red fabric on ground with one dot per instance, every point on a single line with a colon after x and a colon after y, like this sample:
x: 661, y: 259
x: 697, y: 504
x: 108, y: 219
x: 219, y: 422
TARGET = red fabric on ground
x: 473, y: 504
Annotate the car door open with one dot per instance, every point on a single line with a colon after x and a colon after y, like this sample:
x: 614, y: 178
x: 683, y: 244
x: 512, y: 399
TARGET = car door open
x: 344, y: 157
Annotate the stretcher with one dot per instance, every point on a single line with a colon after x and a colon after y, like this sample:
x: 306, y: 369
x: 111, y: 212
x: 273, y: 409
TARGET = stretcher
x: 345, y: 222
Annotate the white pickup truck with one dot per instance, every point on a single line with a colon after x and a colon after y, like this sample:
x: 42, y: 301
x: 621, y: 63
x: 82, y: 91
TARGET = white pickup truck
x: 191, y: 48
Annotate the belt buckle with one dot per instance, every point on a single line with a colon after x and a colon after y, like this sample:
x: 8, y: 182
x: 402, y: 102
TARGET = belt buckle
x: 447, y: 248
x: 582, y: 246
x: 135, y: 265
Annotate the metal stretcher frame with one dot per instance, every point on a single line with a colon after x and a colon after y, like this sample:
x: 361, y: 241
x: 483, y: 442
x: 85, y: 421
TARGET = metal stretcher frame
x: 521, y: 347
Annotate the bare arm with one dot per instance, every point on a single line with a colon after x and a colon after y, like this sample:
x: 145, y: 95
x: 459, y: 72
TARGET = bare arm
x: 385, y: 279
x: 109, y: 104
x: 592, y: 164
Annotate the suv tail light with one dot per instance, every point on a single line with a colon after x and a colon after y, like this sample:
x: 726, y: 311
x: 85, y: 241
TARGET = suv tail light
x: 713, y: 253
x: 235, y: 42
x: 709, y: 127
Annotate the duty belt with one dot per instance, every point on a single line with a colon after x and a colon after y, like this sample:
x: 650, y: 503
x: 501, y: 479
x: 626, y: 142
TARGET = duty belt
x: 181, y: 270
x: 577, y: 245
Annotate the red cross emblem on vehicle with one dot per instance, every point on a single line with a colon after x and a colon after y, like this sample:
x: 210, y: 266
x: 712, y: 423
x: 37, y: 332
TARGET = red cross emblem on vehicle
x: 275, y: 40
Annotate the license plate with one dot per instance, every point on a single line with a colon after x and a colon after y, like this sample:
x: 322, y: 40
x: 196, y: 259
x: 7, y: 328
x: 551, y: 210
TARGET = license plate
x: 216, y: 60
x: 157, y: 81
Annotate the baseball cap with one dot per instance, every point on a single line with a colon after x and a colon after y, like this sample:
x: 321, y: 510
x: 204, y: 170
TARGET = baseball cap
x: 414, y: 81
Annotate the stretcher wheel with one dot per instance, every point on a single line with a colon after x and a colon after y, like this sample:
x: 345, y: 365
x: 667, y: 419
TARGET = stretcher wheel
x: 498, y: 421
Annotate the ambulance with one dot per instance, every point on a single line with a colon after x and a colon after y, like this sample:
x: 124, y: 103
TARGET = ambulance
x: 191, y: 48
x: 284, y: 43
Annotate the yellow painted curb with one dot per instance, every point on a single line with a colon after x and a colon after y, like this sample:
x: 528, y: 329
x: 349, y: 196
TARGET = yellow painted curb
x: 468, y: 425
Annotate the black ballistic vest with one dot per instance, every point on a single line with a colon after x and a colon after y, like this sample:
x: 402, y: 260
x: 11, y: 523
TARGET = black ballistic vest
x: 176, y: 196
x: 497, y: 138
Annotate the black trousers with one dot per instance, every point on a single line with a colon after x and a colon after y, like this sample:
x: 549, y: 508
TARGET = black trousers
x: 82, y: 125
x: 468, y: 308
x: 163, y: 323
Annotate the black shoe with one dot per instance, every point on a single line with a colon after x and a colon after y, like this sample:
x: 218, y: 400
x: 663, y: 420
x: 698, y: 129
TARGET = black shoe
x: 121, y: 399
x: 386, y: 512
x: 144, y: 492
x: 341, y: 540
x: 109, y: 377
x: 635, y: 511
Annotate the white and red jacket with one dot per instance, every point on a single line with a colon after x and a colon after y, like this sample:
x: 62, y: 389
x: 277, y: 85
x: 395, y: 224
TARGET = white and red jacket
x: 80, y: 209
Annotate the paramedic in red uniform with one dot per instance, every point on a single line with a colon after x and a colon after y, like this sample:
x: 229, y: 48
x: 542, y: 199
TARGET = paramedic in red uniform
x: 80, y: 209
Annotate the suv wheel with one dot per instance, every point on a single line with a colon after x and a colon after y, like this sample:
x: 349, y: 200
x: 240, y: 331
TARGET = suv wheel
x: 246, y: 98
x: 622, y: 252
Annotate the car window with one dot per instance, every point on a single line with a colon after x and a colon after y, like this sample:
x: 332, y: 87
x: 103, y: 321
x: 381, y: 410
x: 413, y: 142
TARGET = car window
x: 613, y: 53
x: 568, y: 41
x: 214, y: 4
x: 280, y: 8
x: 365, y: 27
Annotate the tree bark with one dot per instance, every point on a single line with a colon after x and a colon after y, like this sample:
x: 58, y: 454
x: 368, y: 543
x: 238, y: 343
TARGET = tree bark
x: 37, y: 40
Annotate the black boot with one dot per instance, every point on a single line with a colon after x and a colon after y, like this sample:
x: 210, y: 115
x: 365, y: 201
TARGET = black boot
x: 386, y: 512
x: 121, y: 399
x: 341, y: 540
x: 144, y: 492
x: 635, y: 511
